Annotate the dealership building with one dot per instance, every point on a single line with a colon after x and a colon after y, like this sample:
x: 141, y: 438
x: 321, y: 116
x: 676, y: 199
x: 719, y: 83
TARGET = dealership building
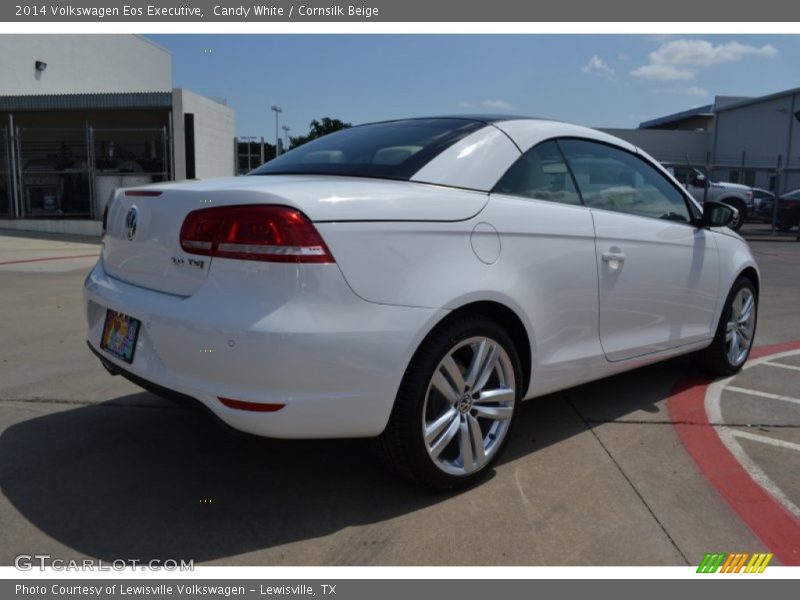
x: 81, y: 115
x: 754, y: 141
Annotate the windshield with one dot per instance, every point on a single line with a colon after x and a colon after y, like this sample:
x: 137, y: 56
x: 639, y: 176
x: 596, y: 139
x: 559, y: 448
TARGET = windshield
x: 392, y: 150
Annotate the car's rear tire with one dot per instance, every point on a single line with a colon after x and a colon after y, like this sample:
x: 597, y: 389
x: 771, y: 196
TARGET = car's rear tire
x: 735, y: 332
x: 456, y: 405
x: 788, y: 219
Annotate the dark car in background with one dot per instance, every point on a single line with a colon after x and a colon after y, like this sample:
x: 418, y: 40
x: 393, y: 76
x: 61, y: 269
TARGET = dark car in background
x: 788, y: 210
x: 762, y: 205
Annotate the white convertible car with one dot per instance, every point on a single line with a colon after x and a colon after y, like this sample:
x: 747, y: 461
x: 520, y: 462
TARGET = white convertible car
x: 416, y: 280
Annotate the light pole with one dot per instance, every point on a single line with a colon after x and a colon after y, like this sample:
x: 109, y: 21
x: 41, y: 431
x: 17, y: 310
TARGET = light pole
x: 285, y: 137
x: 277, y: 110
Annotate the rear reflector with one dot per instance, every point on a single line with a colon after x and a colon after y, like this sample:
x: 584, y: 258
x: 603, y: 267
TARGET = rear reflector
x: 146, y: 193
x: 263, y: 232
x: 251, y: 406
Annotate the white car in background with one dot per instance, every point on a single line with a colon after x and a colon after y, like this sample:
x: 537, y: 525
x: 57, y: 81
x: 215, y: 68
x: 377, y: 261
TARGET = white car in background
x: 416, y: 280
x: 740, y: 197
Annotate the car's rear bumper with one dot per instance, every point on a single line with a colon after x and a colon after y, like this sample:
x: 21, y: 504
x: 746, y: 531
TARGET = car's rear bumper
x: 290, y: 335
x: 158, y: 390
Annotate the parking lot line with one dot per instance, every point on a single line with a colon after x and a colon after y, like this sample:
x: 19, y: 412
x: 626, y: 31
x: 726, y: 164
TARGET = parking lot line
x: 760, y: 394
x: 764, y: 440
x: 759, y: 502
x: 781, y: 365
x: 727, y: 435
x: 46, y: 258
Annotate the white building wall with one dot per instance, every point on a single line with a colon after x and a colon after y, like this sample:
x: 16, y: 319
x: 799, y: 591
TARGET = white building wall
x: 763, y: 130
x: 214, y: 132
x: 80, y: 64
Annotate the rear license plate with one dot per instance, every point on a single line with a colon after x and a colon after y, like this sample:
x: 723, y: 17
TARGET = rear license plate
x: 120, y: 333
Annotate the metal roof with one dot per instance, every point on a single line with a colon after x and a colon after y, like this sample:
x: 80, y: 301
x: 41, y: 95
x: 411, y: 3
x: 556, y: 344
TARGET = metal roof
x: 759, y: 99
x: 699, y: 111
x: 117, y: 101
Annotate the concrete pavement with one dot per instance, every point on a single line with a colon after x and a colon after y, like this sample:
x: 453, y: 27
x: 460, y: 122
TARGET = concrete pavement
x: 92, y: 466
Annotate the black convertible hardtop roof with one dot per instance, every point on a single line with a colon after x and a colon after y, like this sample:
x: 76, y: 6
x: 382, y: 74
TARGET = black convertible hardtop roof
x: 477, y: 118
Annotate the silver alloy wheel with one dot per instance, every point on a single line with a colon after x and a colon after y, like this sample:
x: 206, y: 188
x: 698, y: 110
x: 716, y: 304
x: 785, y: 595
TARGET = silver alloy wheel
x: 741, y: 326
x: 468, y: 406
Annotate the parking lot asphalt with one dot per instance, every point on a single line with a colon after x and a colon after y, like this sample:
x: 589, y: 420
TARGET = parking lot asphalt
x: 617, y: 472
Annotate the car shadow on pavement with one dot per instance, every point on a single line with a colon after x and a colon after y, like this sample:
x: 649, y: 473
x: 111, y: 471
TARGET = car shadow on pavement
x: 141, y: 478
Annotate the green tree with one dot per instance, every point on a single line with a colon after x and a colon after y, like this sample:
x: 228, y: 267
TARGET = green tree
x: 317, y: 129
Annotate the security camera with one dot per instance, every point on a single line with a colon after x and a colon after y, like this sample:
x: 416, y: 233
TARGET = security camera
x: 41, y: 65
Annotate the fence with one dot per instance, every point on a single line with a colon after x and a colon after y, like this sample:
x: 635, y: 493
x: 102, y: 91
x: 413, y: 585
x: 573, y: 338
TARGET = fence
x: 71, y: 172
x: 5, y: 174
x: 768, y: 172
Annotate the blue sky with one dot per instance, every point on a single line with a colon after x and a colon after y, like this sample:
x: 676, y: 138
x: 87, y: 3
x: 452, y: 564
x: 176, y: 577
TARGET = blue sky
x: 595, y: 80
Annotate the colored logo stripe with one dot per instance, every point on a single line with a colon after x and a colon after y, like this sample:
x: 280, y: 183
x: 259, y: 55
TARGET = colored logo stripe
x: 758, y: 563
x: 711, y: 563
x: 734, y: 562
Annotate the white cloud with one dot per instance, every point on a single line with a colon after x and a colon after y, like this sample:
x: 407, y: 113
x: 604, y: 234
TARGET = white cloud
x: 597, y: 66
x: 663, y: 72
x: 498, y: 105
x: 692, y: 90
x: 682, y: 59
x: 501, y: 105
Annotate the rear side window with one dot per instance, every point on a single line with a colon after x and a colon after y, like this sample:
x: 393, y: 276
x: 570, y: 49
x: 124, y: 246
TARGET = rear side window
x: 540, y: 173
x: 613, y: 179
x: 393, y: 150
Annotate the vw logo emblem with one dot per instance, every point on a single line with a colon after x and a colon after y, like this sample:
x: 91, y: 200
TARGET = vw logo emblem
x: 465, y: 403
x: 131, y: 222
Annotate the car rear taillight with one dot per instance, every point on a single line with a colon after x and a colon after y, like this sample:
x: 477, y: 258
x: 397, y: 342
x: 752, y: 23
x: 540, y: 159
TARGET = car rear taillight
x: 266, y: 232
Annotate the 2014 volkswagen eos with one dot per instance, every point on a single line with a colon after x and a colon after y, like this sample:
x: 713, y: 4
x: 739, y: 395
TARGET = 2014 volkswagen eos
x: 416, y: 280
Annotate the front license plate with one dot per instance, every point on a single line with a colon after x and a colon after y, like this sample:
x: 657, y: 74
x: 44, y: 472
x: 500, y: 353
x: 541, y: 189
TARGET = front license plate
x: 120, y: 333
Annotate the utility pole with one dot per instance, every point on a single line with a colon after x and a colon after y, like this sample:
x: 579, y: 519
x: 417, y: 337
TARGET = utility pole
x: 285, y: 137
x: 776, y: 191
x: 277, y: 109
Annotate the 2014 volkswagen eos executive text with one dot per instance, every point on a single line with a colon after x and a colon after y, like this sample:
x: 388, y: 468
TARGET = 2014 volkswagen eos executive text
x: 414, y: 281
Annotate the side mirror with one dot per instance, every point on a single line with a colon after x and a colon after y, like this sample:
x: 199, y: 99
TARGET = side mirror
x: 699, y: 180
x: 717, y: 214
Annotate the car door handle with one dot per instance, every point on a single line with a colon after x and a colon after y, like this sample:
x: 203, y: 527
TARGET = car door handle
x: 613, y: 256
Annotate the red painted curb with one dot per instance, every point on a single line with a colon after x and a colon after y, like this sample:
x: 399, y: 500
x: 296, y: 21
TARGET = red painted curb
x: 766, y: 517
x: 30, y: 260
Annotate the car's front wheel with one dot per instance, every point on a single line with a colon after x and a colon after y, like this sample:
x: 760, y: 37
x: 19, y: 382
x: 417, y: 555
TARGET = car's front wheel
x: 737, y: 327
x: 456, y: 405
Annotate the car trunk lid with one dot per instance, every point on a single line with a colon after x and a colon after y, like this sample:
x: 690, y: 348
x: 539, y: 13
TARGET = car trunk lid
x: 142, y: 242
